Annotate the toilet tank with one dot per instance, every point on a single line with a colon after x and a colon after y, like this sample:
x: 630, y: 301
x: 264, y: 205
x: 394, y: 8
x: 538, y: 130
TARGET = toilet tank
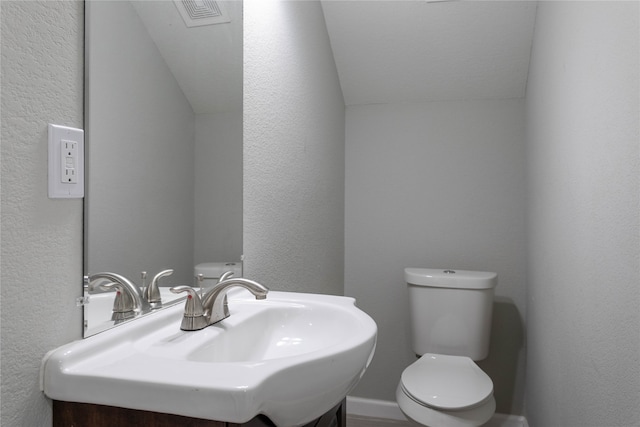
x: 211, y: 271
x: 450, y: 311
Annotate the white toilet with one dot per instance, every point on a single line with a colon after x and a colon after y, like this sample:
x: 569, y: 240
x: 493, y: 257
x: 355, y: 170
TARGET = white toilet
x: 451, y: 321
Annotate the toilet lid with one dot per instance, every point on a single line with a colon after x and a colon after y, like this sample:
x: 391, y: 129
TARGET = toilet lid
x: 446, y: 382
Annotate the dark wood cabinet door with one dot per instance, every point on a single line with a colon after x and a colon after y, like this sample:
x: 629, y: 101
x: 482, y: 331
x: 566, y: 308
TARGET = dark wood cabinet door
x: 70, y: 414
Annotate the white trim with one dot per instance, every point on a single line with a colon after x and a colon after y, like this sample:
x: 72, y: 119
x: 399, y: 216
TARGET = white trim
x: 374, y: 408
x: 384, y: 409
x: 506, y: 420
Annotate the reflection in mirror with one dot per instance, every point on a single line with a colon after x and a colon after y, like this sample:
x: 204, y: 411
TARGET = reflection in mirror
x: 163, y: 118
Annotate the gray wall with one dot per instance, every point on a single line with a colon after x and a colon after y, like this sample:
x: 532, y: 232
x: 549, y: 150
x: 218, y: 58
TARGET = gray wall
x: 218, y: 187
x: 41, y: 82
x: 437, y: 185
x: 583, y: 316
x: 176, y: 176
x: 293, y: 150
x: 141, y: 147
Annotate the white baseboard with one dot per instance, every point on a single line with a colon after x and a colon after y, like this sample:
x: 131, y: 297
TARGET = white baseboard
x: 384, y: 409
x: 506, y: 420
x: 374, y: 408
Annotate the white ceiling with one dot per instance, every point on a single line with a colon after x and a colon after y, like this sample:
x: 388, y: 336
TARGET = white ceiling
x: 206, y: 61
x: 414, y: 50
x: 385, y: 50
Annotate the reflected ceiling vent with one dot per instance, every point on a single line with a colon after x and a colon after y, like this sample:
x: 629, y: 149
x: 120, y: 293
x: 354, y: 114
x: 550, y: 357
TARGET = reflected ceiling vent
x: 202, y: 12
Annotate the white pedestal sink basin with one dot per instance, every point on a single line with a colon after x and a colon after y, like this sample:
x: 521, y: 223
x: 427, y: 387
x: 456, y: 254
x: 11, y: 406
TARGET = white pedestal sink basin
x: 291, y: 357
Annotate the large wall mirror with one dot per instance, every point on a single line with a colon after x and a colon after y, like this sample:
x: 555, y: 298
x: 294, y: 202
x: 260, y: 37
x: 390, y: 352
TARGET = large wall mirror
x: 163, y: 120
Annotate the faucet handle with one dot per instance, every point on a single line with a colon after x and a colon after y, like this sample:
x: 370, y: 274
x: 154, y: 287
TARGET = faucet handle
x: 123, y: 303
x: 152, y: 292
x: 193, y: 318
x: 163, y: 273
x: 226, y: 275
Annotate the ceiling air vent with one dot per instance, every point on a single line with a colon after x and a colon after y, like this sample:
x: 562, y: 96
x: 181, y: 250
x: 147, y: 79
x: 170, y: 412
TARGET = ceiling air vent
x: 202, y: 12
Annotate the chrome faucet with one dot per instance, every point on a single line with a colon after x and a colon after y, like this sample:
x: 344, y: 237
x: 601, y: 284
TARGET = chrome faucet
x: 122, y: 304
x: 130, y: 293
x: 214, y: 302
x: 213, y: 307
x: 131, y: 298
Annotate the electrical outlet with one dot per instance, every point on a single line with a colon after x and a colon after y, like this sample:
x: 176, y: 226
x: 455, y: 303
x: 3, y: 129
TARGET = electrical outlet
x: 66, y: 162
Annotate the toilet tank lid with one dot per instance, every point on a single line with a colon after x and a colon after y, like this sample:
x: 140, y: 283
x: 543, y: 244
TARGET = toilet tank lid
x: 449, y: 278
x: 213, y: 270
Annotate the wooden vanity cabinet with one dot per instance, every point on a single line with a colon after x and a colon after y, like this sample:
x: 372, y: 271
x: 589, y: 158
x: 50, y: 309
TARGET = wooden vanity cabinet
x: 69, y: 414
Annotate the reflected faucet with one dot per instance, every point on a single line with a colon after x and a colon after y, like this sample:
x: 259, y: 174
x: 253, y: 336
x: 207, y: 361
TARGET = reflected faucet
x: 131, y: 298
x: 213, y: 307
x: 131, y: 294
x: 226, y: 275
x: 152, y: 292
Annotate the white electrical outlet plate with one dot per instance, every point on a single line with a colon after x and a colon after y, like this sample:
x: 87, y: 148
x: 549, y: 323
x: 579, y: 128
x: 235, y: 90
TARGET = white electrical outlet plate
x: 66, y: 162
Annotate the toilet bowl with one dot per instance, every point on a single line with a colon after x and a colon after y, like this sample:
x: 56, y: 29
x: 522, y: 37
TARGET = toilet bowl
x: 446, y: 391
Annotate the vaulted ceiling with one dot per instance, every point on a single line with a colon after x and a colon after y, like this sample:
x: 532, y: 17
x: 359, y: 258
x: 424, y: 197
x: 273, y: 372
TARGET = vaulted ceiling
x: 385, y: 51
x: 416, y: 50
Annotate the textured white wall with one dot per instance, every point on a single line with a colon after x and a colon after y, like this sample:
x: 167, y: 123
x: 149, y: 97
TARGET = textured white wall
x: 140, y: 146
x: 41, y: 82
x: 218, y: 187
x: 437, y: 185
x: 583, y: 316
x: 293, y: 149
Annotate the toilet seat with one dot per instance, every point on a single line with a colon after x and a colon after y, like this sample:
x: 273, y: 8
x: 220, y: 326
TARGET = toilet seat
x: 448, y: 383
x: 421, y: 415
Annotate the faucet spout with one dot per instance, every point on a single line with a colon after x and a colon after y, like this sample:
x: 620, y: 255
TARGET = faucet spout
x: 214, y: 302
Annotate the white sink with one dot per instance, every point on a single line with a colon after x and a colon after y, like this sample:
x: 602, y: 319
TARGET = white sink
x: 291, y: 357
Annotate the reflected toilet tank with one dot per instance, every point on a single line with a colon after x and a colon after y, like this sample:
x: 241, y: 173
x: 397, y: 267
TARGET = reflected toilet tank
x: 211, y: 271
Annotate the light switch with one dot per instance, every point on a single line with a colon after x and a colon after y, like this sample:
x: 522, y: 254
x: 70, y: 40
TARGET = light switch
x: 66, y: 162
